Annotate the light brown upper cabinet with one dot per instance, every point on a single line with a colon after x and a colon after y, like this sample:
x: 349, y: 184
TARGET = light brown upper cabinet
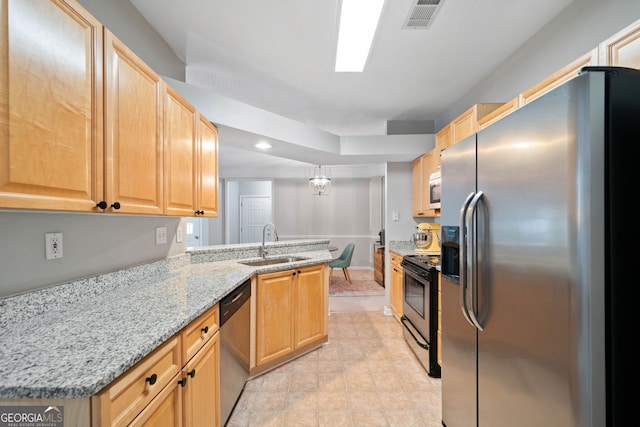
x: 623, y: 48
x: 51, y: 137
x: 499, y: 113
x: 443, y: 140
x: 190, y: 160
x: 133, y: 132
x: 180, y: 153
x: 564, y: 74
x: 207, y: 201
x: 421, y: 169
x: 466, y: 124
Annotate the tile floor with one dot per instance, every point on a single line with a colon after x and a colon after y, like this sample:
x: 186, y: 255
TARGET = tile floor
x: 365, y: 376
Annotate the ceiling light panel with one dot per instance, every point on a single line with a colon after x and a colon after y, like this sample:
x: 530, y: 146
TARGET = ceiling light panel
x: 358, y: 24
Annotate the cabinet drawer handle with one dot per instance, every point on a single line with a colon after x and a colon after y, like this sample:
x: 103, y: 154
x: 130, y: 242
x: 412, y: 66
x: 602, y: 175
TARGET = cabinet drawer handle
x: 205, y: 329
x: 192, y: 373
x: 152, y: 379
x: 116, y: 205
x: 182, y: 382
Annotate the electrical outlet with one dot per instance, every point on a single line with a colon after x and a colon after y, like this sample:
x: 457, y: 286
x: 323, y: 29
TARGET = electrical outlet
x: 179, y: 234
x: 53, y: 245
x: 161, y: 235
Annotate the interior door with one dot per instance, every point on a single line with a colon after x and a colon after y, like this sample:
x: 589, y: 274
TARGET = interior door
x: 255, y: 212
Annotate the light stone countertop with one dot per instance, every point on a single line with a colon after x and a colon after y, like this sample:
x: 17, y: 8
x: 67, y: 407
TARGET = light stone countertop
x: 71, y: 340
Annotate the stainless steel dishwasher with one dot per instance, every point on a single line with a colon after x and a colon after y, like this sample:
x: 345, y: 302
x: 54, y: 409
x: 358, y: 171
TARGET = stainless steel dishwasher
x: 235, y: 316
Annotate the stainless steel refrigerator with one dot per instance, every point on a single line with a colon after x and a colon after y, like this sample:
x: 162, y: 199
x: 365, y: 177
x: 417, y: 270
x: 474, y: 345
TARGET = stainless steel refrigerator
x: 538, y: 229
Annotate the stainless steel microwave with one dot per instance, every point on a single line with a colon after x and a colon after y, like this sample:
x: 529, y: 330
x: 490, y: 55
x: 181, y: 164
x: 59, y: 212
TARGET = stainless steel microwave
x: 434, y: 190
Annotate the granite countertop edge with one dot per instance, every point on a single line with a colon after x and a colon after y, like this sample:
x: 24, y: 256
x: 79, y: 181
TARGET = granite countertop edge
x: 72, y: 340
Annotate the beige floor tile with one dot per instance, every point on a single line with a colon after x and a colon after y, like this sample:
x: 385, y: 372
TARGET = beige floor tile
x: 364, y: 400
x: 333, y: 400
x: 304, y: 381
x: 270, y: 400
x: 366, y: 375
x: 301, y: 418
x: 404, y: 419
x: 369, y: 418
x: 306, y: 400
x: 335, y: 419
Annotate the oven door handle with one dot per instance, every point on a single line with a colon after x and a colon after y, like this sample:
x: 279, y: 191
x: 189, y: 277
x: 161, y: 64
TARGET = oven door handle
x: 404, y: 319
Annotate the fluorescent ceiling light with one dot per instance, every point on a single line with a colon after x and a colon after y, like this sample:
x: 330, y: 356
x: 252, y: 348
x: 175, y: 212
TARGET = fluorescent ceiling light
x: 263, y: 145
x: 358, y: 23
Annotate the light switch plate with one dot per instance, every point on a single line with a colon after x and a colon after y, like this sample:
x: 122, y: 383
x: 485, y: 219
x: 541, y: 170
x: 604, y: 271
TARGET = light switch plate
x: 179, y: 234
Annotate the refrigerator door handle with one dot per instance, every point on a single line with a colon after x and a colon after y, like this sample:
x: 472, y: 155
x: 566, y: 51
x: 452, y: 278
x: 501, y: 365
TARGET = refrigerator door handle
x: 463, y: 259
x: 471, y: 252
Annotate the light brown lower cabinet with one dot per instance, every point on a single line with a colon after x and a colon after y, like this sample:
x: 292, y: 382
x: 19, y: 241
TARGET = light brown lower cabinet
x: 178, y: 384
x: 291, y: 315
x: 396, y: 287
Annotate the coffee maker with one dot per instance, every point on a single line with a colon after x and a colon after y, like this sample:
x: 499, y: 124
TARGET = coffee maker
x: 426, y: 238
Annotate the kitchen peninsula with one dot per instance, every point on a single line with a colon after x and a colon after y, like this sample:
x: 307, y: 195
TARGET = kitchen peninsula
x: 64, y: 344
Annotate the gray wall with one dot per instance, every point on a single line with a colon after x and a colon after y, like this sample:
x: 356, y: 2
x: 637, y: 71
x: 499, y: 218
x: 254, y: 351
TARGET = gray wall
x: 575, y: 31
x: 351, y: 213
x: 127, y: 24
x: 92, y: 244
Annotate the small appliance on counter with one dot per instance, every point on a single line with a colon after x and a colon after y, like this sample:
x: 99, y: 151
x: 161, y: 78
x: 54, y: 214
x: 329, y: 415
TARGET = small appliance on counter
x: 426, y: 239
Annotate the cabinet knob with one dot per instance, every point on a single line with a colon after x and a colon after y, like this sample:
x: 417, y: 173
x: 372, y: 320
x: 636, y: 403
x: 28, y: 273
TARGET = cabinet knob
x: 182, y: 382
x: 102, y: 205
x: 294, y: 273
x: 152, y: 379
x: 116, y: 205
x: 199, y: 212
x: 205, y: 329
x: 192, y: 373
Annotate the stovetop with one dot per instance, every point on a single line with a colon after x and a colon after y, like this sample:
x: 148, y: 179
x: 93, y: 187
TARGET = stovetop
x: 423, y: 260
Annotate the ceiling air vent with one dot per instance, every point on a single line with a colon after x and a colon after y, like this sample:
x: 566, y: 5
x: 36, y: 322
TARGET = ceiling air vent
x: 422, y: 14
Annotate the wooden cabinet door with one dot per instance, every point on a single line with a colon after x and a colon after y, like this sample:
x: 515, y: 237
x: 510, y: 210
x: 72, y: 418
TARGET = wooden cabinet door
x: 50, y: 106
x: 395, y: 297
x: 309, y: 308
x: 274, y: 316
x: 180, y: 155
x: 421, y: 169
x: 416, y: 186
x: 207, y: 168
x: 443, y: 140
x: 564, y: 74
x: 201, y: 396
x: 165, y: 410
x: 134, y: 132
x: 623, y: 48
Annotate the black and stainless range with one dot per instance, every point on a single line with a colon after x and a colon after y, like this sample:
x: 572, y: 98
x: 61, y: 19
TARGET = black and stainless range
x: 420, y: 309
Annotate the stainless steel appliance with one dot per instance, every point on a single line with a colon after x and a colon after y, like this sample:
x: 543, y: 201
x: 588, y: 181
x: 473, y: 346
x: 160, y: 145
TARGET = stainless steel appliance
x: 235, y: 324
x: 434, y: 190
x: 532, y: 324
x: 420, y: 309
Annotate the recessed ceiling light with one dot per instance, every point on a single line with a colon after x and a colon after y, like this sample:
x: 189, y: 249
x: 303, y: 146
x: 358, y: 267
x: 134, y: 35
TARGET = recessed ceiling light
x: 263, y: 145
x: 358, y: 23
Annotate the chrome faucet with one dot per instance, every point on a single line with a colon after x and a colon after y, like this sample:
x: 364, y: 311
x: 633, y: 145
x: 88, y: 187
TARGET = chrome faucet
x: 263, y: 250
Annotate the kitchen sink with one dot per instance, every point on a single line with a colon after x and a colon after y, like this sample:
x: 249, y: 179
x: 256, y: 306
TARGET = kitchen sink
x: 271, y: 261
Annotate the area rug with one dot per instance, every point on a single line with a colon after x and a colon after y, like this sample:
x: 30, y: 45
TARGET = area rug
x: 362, y: 284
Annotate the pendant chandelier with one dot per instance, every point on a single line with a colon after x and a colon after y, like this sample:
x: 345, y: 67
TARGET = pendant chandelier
x: 320, y: 183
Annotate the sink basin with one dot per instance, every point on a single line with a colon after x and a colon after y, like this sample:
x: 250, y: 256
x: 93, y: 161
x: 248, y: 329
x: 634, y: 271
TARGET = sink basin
x: 271, y: 261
